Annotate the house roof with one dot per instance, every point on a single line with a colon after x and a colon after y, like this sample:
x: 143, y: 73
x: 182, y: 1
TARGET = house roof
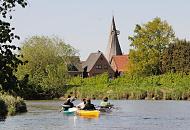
x: 120, y: 61
x: 89, y: 63
x: 92, y: 59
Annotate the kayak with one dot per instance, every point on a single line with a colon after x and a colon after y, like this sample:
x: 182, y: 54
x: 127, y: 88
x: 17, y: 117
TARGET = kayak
x: 88, y: 113
x: 65, y: 106
x: 101, y: 109
x: 107, y: 108
x: 70, y: 110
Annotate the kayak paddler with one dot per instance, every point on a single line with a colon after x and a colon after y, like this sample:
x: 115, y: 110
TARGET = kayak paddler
x: 69, y: 103
x: 89, y: 105
x: 82, y: 104
x: 105, y: 103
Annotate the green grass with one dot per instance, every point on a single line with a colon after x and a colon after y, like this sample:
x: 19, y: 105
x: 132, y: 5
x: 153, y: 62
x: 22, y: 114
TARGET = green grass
x: 164, y: 87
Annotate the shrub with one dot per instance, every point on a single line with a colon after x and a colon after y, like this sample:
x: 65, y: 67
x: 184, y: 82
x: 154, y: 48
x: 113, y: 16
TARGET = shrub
x: 3, y: 108
x: 171, y: 86
x: 14, y: 104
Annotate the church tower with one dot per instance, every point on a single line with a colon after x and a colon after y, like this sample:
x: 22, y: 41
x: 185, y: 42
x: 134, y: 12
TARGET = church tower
x: 113, y: 48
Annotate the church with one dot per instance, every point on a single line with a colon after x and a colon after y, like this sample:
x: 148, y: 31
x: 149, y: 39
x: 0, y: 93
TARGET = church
x: 114, y: 62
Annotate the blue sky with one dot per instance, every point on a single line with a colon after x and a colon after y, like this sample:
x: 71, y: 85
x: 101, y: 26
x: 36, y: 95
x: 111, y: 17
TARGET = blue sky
x: 85, y: 24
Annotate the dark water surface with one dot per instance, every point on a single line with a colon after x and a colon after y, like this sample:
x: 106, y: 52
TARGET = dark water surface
x: 128, y: 115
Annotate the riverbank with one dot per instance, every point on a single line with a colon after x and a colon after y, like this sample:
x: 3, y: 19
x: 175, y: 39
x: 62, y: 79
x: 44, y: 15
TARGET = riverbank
x: 170, y: 86
x: 163, y: 87
x: 10, y: 105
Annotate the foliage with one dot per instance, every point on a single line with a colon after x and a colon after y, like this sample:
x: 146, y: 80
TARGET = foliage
x: 13, y: 104
x: 47, y: 65
x: 148, y: 44
x: 3, y: 108
x: 176, y: 57
x: 169, y: 86
x: 8, y: 59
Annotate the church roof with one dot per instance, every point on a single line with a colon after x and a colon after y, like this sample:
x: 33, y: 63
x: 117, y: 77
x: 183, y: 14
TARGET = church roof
x: 113, y: 47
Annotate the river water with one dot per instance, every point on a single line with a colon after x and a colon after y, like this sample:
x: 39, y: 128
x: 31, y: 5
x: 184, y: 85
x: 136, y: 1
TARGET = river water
x: 127, y: 115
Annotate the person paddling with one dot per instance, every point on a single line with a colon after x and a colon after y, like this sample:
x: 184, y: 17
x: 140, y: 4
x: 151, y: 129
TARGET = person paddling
x: 68, y: 103
x: 82, y: 104
x: 89, y: 105
x: 105, y: 103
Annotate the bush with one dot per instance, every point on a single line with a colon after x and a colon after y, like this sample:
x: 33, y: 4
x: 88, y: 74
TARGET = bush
x: 3, y: 108
x: 14, y: 104
x: 171, y: 86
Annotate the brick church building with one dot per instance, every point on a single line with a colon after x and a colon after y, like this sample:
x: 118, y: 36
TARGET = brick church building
x: 113, y: 62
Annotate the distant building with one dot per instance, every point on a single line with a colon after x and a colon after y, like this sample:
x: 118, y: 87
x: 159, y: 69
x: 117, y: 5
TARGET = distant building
x: 114, y: 63
x: 113, y: 48
x: 96, y: 64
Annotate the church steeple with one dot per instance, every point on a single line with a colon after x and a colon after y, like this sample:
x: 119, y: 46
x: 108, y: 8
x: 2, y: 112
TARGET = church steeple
x: 113, y: 47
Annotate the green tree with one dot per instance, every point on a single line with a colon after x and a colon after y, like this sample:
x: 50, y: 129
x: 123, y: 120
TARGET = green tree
x: 176, y: 57
x: 8, y: 60
x: 47, y: 63
x: 148, y: 42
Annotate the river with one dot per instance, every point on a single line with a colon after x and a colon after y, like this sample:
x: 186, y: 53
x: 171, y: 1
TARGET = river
x: 127, y: 115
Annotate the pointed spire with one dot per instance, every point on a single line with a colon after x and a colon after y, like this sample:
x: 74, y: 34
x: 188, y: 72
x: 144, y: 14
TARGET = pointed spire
x: 113, y: 47
x: 113, y: 24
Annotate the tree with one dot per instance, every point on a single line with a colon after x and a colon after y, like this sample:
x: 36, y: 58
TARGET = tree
x: 8, y: 60
x: 176, y: 57
x: 47, y: 62
x: 148, y: 44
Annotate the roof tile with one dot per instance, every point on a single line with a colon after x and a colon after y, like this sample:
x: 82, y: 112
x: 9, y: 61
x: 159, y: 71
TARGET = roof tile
x: 120, y: 61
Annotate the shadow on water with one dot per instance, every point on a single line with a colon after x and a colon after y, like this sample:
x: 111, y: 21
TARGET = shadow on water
x: 2, y: 118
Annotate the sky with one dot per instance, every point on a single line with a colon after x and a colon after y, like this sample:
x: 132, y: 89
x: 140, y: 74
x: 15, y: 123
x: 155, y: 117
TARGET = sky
x: 85, y: 24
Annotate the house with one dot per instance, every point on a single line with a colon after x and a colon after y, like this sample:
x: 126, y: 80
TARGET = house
x: 119, y: 64
x: 96, y: 64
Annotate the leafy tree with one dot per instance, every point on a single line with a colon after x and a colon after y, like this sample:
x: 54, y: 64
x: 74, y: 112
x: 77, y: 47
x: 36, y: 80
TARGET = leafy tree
x: 148, y: 44
x: 8, y: 60
x: 176, y: 57
x: 47, y: 63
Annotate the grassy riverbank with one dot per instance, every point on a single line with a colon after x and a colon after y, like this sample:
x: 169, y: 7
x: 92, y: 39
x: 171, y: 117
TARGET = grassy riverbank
x: 164, y: 87
x: 10, y: 105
